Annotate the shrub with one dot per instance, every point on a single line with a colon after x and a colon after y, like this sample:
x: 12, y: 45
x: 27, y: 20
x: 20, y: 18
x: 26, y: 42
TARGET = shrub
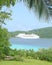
x: 18, y: 58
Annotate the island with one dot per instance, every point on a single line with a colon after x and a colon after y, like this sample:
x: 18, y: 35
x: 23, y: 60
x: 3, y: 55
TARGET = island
x: 27, y: 36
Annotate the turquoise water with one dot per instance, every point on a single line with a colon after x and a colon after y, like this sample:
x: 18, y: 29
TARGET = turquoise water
x: 18, y: 43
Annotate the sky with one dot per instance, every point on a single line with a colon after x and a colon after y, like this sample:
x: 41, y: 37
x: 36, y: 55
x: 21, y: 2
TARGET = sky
x: 24, y: 19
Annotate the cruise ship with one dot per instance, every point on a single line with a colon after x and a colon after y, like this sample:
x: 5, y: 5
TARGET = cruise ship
x: 27, y: 36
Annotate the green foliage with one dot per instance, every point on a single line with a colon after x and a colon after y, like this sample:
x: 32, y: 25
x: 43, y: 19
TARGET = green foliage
x: 7, y: 3
x: 38, y: 5
x: 5, y: 14
x: 4, y: 42
x: 42, y: 54
x: 4, y: 35
x: 21, y: 55
x: 18, y: 58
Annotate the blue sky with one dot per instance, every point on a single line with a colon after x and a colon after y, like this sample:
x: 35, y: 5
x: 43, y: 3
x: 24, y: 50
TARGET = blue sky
x: 24, y: 19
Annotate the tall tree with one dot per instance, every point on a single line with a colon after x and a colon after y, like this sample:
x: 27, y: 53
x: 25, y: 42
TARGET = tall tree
x: 4, y: 35
x: 4, y: 42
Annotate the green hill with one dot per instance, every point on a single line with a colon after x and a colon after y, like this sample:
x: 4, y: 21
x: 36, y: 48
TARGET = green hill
x: 43, y: 32
x: 13, y: 34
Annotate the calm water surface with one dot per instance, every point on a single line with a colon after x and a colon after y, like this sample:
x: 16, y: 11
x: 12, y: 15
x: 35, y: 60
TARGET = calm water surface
x: 18, y: 43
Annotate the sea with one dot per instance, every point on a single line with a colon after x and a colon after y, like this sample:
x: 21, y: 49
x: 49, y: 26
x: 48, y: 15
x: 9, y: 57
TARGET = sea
x: 35, y: 44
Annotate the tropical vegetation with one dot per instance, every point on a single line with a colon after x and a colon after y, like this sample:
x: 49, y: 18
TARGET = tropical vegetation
x: 41, y: 6
x: 6, y: 53
x: 21, y: 55
x: 4, y: 35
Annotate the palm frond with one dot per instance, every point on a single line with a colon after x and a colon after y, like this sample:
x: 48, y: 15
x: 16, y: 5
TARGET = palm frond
x: 40, y: 6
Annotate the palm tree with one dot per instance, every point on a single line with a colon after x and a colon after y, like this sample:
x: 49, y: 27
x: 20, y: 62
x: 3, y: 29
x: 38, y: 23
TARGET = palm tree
x: 41, y: 6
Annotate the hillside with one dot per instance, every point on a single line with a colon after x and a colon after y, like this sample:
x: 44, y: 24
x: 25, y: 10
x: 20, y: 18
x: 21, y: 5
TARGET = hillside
x: 43, y: 32
x: 13, y: 34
